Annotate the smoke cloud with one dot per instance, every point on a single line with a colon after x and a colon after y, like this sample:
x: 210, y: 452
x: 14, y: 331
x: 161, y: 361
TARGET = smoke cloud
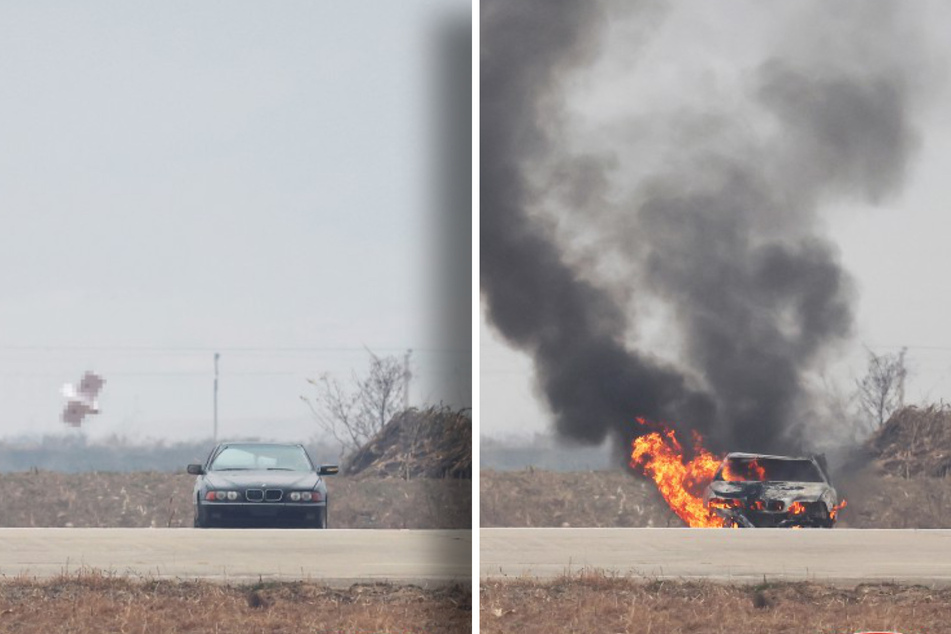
x: 729, y: 240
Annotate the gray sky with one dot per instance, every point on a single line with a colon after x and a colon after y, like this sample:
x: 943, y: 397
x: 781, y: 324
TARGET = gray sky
x: 179, y: 178
x: 699, y: 53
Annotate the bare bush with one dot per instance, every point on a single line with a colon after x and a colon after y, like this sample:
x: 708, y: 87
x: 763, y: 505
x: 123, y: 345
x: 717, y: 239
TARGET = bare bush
x: 435, y: 442
x: 881, y: 391
x: 915, y: 441
x: 356, y: 413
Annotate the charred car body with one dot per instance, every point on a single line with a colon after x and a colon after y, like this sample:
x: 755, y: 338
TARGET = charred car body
x: 753, y: 490
x: 260, y: 484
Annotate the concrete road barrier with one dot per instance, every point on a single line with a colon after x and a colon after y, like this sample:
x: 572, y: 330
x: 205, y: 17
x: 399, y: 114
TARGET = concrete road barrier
x: 842, y: 556
x: 337, y: 557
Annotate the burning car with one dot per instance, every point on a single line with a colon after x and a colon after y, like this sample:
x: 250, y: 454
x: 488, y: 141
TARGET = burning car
x: 753, y: 490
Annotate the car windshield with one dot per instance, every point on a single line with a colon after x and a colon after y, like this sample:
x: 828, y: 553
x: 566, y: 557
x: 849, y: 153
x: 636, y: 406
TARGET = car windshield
x: 261, y: 457
x: 768, y: 469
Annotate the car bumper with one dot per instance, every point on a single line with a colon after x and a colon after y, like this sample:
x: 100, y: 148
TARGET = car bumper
x: 260, y: 514
x: 777, y: 519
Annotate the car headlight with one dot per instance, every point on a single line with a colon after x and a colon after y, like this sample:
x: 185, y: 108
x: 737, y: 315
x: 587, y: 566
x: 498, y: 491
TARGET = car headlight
x: 219, y: 496
x: 797, y: 508
x: 725, y: 503
x: 305, y: 496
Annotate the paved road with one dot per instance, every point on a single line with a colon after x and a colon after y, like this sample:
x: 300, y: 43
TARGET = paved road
x: 338, y: 557
x: 844, y: 556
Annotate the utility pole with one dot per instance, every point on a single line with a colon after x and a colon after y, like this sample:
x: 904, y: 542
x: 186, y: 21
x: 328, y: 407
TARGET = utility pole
x: 407, y: 375
x: 215, y: 434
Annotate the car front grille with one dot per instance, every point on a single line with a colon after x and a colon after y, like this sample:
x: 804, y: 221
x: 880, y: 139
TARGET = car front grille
x: 814, y: 508
x: 264, y: 495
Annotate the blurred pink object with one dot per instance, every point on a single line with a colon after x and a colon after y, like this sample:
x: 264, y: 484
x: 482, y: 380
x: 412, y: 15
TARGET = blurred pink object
x: 82, y: 401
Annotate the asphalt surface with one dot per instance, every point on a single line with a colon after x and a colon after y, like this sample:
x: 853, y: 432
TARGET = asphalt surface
x: 838, y: 556
x: 336, y: 557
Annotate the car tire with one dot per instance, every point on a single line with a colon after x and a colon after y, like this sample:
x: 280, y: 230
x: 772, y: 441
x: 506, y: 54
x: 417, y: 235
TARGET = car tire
x: 201, y: 520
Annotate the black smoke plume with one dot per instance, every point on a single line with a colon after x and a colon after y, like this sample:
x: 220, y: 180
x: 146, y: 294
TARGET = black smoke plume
x: 727, y: 239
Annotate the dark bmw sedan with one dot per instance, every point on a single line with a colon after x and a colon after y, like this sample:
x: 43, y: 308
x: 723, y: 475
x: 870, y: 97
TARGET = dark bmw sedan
x: 260, y: 484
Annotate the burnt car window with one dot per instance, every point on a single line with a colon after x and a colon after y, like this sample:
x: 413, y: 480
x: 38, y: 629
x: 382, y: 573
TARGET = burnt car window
x: 261, y: 457
x: 769, y: 469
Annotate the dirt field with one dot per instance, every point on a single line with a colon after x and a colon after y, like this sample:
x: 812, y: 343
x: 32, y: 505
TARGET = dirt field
x: 618, y: 498
x: 595, y: 603
x: 93, y: 603
x: 143, y: 499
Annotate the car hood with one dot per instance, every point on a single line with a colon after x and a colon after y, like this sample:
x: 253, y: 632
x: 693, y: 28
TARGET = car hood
x: 787, y: 492
x: 260, y: 479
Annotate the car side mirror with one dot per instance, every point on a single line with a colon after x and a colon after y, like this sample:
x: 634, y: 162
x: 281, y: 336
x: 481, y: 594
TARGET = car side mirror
x: 196, y: 469
x: 328, y: 469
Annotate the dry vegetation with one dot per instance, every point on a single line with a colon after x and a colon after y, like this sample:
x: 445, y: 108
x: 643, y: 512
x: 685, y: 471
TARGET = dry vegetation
x: 884, y: 501
x: 143, y: 499
x: 547, y: 498
x: 597, y: 603
x: 914, y: 443
x: 432, y: 443
x: 898, y: 479
x: 383, y: 497
x: 619, y: 499
x: 92, y: 603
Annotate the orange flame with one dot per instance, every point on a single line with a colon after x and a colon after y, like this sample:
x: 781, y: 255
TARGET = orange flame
x: 729, y: 475
x: 754, y: 471
x: 723, y: 503
x: 836, y: 509
x: 661, y: 456
x: 757, y: 470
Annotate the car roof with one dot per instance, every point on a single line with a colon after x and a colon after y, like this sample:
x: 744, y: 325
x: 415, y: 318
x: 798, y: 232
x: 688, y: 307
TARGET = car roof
x: 740, y: 454
x: 238, y: 443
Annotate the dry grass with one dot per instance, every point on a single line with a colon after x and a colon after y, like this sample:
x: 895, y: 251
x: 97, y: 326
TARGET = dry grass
x: 883, y: 501
x: 914, y: 442
x: 535, y: 498
x: 93, y: 602
x: 597, y: 603
x: 144, y: 499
